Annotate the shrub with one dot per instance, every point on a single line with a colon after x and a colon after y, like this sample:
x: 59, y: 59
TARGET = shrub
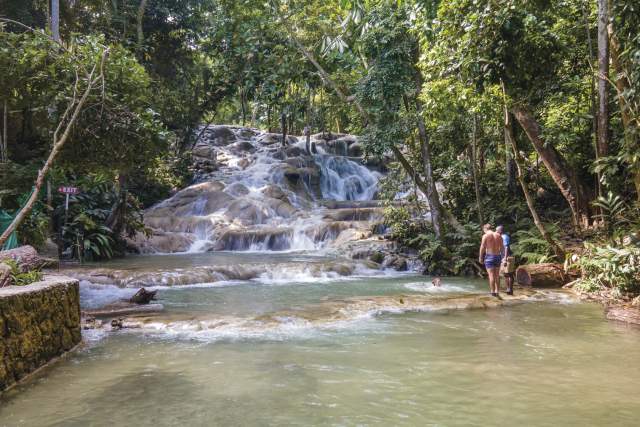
x: 20, y: 278
x: 608, y: 267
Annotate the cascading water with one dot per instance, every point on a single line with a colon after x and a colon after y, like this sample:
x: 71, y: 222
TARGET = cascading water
x: 253, y: 194
x: 343, y: 179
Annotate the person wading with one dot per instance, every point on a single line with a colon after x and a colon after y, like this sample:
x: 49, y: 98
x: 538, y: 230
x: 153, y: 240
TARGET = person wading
x: 508, y: 267
x: 491, y: 252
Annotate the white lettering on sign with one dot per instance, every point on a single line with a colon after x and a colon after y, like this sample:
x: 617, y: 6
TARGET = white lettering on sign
x: 68, y: 190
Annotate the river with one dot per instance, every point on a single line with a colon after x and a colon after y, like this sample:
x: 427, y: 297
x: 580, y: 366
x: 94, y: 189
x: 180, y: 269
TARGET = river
x: 552, y: 362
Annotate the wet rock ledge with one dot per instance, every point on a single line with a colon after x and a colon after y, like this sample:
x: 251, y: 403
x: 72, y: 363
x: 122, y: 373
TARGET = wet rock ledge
x: 38, y: 323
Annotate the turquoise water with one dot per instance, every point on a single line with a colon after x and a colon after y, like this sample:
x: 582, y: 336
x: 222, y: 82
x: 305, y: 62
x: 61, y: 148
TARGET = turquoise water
x: 541, y: 363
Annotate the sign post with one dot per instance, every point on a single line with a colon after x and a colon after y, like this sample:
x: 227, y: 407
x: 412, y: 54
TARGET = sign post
x: 67, y: 191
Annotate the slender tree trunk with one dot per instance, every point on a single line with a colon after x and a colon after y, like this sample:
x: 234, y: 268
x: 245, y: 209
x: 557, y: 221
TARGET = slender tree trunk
x: 565, y: 178
x: 74, y: 108
x: 269, y: 118
x: 510, y: 137
x: 603, y: 78
x: 55, y: 19
x: 5, y: 136
x: 283, y: 124
x: 592, y: 97
x: 243, y: 107
x: 474, y: 168
x: 140, y: 30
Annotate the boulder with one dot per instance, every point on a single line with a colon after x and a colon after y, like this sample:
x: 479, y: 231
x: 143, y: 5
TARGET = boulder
x: 237, y: 189
x: 295, y: 151
x: 242, y: 147
x: 143, y: 296
x: 269, y: 138
x: 204, y: 151
x: 27, y: 258
x: 164, y: 242
x: 275, y: 192
x: 356, y: 150
x: 246, y: 212
x: 220, y: 136
x: 395, y: 262
x: 247, y: 133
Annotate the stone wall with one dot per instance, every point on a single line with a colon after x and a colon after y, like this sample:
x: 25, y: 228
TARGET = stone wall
x: 37, y: 323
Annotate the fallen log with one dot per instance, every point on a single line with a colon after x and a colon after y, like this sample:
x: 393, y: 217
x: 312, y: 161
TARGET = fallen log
x: 548, y: 275
x: 623, y: 314
x: 27, y: 258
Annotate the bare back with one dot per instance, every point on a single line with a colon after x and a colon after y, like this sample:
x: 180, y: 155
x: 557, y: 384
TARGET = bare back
x: 492, y: 243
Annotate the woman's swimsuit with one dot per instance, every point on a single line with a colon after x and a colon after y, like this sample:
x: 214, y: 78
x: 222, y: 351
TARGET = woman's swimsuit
x: 492, y: 261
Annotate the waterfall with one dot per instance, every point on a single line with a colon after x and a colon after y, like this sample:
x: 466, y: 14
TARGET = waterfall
x: 253, y: 194
x: 343, y: 179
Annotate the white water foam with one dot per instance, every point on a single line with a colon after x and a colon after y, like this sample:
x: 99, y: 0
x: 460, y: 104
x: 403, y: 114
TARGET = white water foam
x: 442, y: 289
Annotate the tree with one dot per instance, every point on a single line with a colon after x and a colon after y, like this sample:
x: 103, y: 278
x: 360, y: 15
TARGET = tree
x: 84, y: 84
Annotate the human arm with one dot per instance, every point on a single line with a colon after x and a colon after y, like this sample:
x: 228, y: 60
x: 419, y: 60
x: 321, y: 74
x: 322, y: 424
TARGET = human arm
x: 483, y: 249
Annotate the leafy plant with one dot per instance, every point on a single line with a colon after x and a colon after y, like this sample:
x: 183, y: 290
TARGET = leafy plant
x: 608, y: 267
x: 612, y: 212
x: 530, y: 246
x: 20, y: 278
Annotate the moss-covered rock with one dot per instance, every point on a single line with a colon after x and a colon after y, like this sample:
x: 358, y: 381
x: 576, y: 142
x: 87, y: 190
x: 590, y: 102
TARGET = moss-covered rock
x: 38, y: 322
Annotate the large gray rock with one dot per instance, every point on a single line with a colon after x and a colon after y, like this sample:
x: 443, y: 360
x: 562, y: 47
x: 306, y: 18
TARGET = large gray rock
x: 220, y: 136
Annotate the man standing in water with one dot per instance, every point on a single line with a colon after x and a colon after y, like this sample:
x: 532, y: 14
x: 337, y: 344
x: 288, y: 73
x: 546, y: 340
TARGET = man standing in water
x: 508, y: 261
x: 491, y: 251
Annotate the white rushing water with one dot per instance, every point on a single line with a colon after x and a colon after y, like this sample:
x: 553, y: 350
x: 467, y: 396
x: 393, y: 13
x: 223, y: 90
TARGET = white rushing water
x: 256, y: 195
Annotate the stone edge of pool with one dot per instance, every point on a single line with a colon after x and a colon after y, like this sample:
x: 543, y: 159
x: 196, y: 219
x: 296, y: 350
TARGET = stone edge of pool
x: 38, y: 323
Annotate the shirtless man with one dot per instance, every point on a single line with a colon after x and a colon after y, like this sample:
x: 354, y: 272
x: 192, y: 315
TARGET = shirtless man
x: 491, y: 253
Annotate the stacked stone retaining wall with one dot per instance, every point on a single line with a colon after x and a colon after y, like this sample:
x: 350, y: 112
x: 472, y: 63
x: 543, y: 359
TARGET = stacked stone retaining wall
x: 38, y: 323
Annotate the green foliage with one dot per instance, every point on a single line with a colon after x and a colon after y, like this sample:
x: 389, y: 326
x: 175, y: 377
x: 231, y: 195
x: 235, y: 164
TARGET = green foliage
x: 20, y: 278
x: 87, y: 232
x: 456, y: 254
x: 616, y: 269
x: 612, y: 212
x: 531, y: 247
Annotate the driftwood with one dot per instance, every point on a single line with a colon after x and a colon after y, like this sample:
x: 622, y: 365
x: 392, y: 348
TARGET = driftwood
x: 143, y: 296
x: 27, y: 258
x: 547, y: 275
x: 623, y: 314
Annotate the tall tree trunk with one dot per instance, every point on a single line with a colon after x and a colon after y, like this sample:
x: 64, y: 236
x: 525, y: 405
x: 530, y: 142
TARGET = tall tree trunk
x: 603, y: 78
x: 510, y: 137
x: 55, y: 19
x: 565, y: 178
x: 474, y: 168
x: 140, y: 30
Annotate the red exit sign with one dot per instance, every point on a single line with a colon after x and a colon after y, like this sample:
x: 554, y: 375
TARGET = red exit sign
x: 68, y: 190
